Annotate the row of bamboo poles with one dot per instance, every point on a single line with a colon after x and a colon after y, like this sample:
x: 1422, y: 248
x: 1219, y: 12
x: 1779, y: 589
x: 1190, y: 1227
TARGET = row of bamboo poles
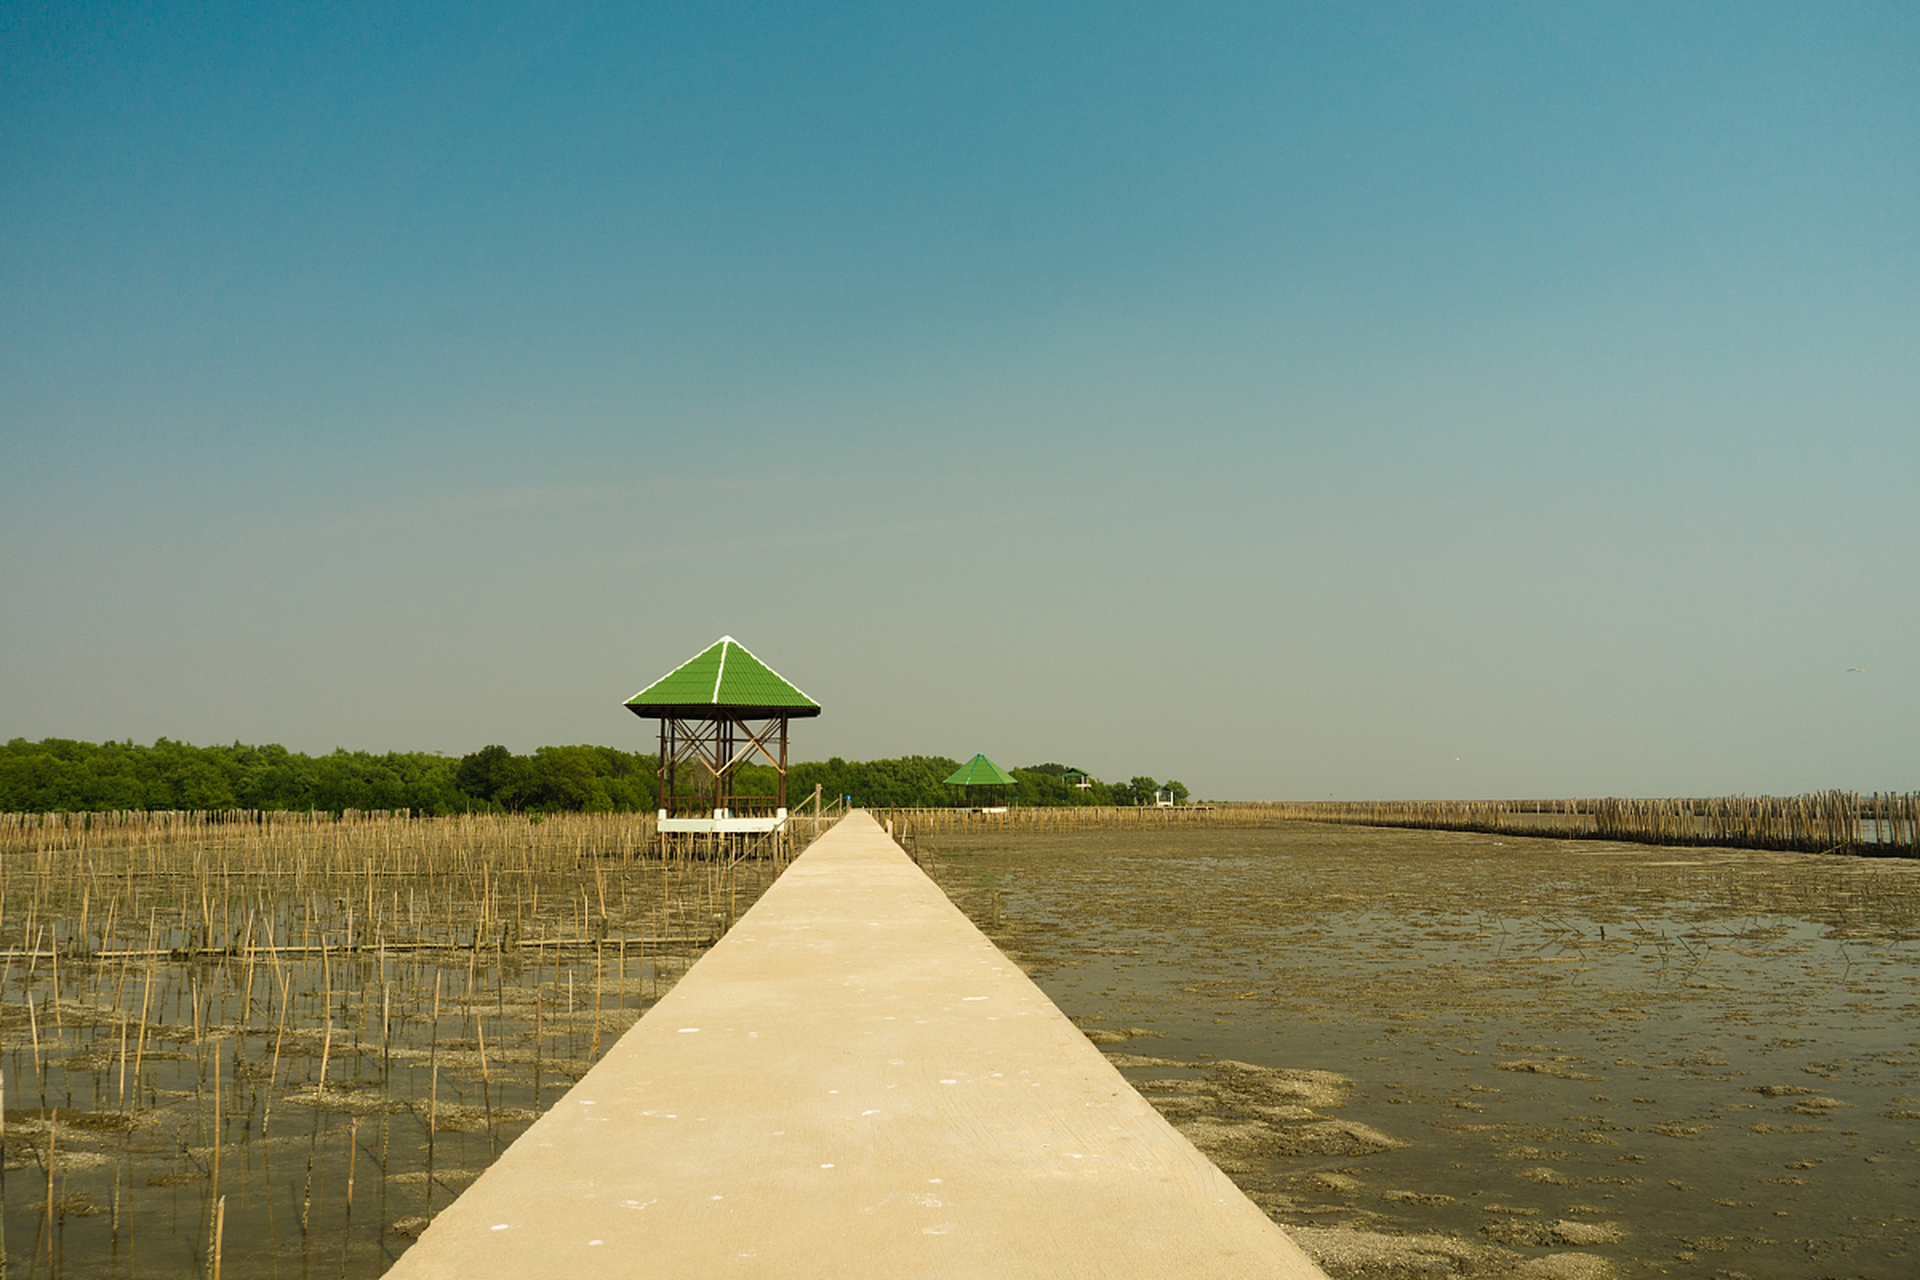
x: 389, y: 844
x: 907, y: 824
x: 183, y: 889
x: 391, y: 836
x: 1878, y: 823
x: 171, y: 984
x: 399, y: 843
x: 1823, y: 822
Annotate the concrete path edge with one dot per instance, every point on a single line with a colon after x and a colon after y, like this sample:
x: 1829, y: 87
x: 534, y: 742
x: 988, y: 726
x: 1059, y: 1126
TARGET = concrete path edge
x: 854, y: 1082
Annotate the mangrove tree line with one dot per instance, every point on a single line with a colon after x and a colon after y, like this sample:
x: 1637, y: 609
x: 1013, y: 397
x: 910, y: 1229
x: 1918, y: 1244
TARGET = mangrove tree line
x: 63, y: 775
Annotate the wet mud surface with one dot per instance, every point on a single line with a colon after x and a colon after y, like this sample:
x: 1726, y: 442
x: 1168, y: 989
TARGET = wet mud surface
x: 306, y: 1111
x: 1437, y: 1053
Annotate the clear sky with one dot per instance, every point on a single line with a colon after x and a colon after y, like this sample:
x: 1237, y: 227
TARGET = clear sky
x: 1369, y: 400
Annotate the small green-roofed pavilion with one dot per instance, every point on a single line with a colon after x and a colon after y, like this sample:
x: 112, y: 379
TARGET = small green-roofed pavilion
x: 985, y: 784
x: 980, y: 772
x: 718, y: 710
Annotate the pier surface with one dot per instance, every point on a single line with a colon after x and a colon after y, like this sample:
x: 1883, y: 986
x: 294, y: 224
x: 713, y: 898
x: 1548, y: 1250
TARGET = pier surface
x: 853, y: 1082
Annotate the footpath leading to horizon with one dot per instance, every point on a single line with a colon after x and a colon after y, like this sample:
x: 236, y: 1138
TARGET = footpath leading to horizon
x: 854, y: 1082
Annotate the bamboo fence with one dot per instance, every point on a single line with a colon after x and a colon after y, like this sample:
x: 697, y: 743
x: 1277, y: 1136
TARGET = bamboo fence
x: 907, y: 825
x: 1879, y: 823
x: 397, y: 984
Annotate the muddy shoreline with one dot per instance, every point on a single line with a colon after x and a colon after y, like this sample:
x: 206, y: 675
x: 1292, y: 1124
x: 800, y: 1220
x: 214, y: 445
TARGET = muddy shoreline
x: 1444, y: 1053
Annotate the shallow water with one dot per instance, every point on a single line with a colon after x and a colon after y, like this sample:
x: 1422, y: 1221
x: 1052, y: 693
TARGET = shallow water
x: 330, y: 1176
x: 1597, y: 1056
x: 334, y: 1101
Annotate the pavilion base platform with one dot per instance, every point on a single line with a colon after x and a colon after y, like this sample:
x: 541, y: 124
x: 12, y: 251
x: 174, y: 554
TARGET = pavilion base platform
x: 721, y: 826
x: 854, y: 1082
x: 722, y: 835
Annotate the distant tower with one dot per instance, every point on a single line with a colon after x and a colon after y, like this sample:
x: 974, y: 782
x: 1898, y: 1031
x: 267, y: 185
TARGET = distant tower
x: 718, y: 710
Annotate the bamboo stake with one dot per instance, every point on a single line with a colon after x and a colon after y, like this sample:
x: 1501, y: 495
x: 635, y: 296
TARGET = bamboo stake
x: 326, y: 1052
x: 433, y: 1071
x: 39, y: 1072
x: 215, y: 1192
x: 353, y: 1154
x: 53, y: 1127
x: 219, y: 1234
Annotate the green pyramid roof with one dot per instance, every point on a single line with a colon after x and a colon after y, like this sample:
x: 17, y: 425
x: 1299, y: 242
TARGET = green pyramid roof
x: 980, y: 772
x: 723, y: 677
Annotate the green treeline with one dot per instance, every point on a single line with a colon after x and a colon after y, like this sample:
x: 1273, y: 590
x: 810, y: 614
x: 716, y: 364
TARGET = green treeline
x: 60, y: 775
x: 916, y: 782
x: 56, y: 774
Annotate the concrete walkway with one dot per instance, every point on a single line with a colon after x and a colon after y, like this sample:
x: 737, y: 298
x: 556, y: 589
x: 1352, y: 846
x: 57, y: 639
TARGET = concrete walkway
x: 854, y: 1082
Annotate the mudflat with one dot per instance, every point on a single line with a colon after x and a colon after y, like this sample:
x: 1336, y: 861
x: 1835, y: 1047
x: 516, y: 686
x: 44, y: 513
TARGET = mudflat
x: 1456, y: 1054
x: 853, y: 1082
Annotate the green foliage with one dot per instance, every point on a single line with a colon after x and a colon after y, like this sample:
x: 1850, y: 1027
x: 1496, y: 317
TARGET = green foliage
x: 1046, y: 784
x: 901, y: 782
x: 487, y: 773
x: 60, y: 775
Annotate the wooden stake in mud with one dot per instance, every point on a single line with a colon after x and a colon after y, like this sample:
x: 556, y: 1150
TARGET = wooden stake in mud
x: 215, y: 1194
x: 123, y: 1062
x: 599, y: 968
x: 433, y: 1070
x: 326, y: 1052
x: 386, y: 1040
x: 40, y: 1074
x: 353, y: 1154
x: 273, y: 1072
x: 53, y: 1127
x: 219, y: 1233
x: 146, y: 1006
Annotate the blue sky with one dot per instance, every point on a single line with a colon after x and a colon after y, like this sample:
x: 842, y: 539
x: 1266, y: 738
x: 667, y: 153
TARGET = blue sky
x: 1297, y: 400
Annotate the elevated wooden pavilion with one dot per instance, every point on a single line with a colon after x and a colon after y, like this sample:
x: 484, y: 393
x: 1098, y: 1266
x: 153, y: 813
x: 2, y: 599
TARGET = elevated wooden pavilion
x: 718, y: 710
x: 984, y: 784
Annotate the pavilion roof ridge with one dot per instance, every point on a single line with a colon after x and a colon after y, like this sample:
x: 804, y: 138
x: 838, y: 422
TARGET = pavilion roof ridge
x: 980, y: 772
x: 724, y: 675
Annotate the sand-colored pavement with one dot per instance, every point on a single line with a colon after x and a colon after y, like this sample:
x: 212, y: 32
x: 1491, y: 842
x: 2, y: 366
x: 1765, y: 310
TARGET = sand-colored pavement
x: 854, y: 1082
